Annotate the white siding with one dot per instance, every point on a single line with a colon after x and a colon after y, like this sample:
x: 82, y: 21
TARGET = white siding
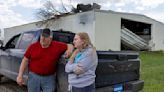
x: 158, y: 36
x: 107, y: 31
x: 81, y: 22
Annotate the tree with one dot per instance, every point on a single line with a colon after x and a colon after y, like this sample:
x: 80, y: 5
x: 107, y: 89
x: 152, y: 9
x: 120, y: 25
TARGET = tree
x: 48, y: 14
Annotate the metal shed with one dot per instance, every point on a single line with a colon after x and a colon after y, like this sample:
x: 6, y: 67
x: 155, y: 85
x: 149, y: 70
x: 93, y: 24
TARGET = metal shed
x: 108, y: 30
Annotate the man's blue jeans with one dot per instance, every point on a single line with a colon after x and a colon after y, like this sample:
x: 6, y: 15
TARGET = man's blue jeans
x: 37, y: 83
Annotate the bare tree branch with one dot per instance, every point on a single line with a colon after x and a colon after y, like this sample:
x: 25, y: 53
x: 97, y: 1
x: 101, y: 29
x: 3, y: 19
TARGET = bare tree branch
x: 64, y: 6
x: 49, y: 10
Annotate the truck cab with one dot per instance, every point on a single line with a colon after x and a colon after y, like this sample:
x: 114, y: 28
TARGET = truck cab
x: 116, y: 71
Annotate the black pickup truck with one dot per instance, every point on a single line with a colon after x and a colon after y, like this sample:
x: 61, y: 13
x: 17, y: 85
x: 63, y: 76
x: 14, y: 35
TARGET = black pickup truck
x: 117, y: 71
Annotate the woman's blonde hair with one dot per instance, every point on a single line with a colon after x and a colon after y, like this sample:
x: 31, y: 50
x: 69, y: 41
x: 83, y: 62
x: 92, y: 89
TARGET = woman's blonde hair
x: 85, y: 38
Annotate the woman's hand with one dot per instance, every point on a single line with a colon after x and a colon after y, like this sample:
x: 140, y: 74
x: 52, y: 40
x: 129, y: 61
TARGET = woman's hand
x: 79, y: 69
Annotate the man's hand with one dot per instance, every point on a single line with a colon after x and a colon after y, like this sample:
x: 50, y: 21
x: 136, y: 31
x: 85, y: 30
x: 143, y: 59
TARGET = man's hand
x: 69, y: 50
x: 71, y: 59
x: 22, y: 68
x: 20, y: 80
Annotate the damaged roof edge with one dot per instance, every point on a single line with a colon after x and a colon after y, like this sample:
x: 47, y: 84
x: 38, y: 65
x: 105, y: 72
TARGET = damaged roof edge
x: 110, y: 11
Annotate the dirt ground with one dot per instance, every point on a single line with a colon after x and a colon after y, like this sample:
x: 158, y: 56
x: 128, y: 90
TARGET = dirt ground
x: 7, y: 85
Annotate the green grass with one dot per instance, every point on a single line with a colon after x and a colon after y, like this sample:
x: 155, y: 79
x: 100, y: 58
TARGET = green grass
x: 152, y: 71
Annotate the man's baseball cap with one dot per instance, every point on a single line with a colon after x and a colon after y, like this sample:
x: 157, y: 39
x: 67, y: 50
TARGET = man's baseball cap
x: 46, y: 32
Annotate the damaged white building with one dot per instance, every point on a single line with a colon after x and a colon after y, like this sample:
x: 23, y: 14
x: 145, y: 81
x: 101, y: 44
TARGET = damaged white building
x: 108, y: 30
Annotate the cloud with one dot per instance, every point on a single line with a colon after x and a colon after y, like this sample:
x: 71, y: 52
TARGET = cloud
x: 83, y: 1
x: 120, y: 10
x: 106, y: 6
x: 151, y: 3
x: 8, y: 17
x: 159, y: 16
x: 121, y: 4
x: 23, y: 3
x: 140, y: 8
x: 8, y: 2
x: 30, y: 3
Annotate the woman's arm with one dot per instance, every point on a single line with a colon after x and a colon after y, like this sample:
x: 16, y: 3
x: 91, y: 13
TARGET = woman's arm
x: 70, y: 66
x: 87, y: 61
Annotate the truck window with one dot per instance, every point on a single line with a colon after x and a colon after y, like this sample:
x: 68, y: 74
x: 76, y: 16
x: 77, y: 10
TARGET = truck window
x: 26, y: 39
x: 12, y: 42
x: 65, y: 37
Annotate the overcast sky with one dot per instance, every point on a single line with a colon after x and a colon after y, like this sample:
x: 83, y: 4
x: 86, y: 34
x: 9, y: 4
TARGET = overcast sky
x: 17, y: 12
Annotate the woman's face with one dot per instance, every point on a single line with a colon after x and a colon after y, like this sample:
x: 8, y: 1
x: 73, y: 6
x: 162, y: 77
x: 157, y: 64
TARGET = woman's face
x: 78, y: 42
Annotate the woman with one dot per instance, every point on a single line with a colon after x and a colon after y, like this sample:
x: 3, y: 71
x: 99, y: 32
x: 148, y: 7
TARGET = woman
x: 82, y: 65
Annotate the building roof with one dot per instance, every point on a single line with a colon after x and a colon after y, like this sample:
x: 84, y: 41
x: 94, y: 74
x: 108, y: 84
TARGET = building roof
x: 125, y: 13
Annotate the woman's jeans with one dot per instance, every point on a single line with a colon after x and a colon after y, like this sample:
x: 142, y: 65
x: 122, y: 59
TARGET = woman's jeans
x: 37, y: 83
x: 90, y: 88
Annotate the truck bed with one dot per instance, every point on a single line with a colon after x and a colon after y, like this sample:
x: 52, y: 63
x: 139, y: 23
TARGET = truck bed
x: 114, y: 68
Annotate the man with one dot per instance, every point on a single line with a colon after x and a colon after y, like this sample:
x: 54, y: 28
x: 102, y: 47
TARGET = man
x: 41, y: 58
